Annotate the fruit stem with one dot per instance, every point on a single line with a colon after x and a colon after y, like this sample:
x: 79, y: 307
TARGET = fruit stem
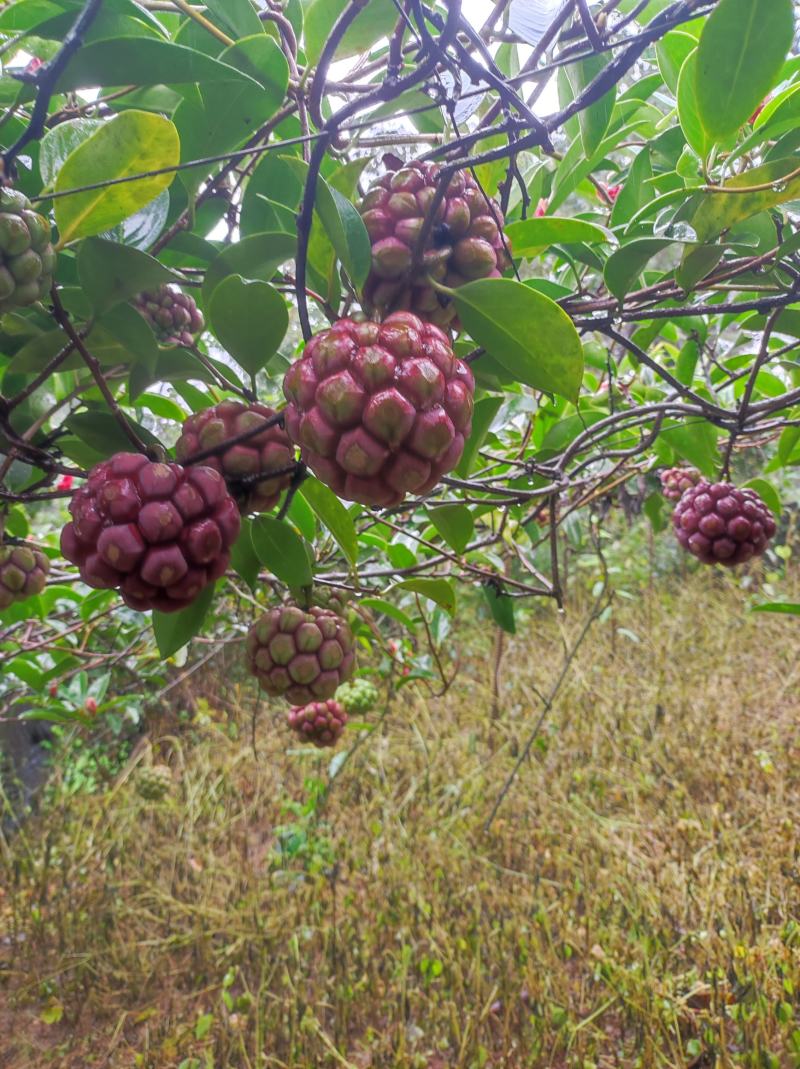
x: 439, y: 287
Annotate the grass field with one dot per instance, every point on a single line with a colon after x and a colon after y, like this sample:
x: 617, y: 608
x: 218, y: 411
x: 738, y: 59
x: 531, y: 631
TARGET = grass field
x: 636, y: 901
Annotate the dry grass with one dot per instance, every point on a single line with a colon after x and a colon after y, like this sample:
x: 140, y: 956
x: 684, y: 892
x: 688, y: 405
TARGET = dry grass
x: 634, y: 904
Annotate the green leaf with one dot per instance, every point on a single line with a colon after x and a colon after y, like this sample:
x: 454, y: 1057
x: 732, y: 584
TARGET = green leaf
x: 530, y: 237
x: 624, y: 266
x: 595, y: 119
x: 694, y: 131
x: 526, y: 332
x: 101, y: 432
x: 671, y: 52
x: 438, y: 590
x: 654, y: 510
x: 111, y: 273
x: 333, y: 514
x: 240, y: 17
x: 250, y: 320
x: 222, y: 116
x: 255, y: 257
x: 388, y: 609
x: 482, y: 417
x: 282, y: 550
x: 133, y: 142
x: 142, y: 228
x: 687, y: 362
x: 720, y: 211
x: 58, y: 143
x: 695, y: 442
x: 501, y: 607
x: 454, y: 523
x: 740, y: 55
x: 142, y: 61
x: 244, y: 559
x: 787, y: 607
x: 768, y: 494
x: 174, y: 629
x: 346, y: 231
x: 376, y: 20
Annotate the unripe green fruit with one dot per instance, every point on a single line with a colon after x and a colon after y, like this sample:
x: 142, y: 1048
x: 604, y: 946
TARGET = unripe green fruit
x: 27, y: 256
x: 359, y: 696
x: 153, y: 782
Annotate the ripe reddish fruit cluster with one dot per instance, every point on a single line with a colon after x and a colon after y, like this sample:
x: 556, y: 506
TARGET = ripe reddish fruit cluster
x: 243, y: 464
x: 319, y: 722
x: 158, y: 532
x: 379, y: 410
x: 721, y: 524
x: 300, y: 655
x: 464, y: 242
x: 23, y: 573
x: 675, y: 481
x: 173, y: 314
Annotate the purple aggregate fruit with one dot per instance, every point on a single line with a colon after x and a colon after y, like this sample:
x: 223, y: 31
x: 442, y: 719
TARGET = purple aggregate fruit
x: 721, y: 524
x: 464, y: 242
x: 379, y: 410
x: 319, y: 722
x: 27, y: 256
x: 23, y: 573
x: 675, y: 481
x: 157, y: 532
x: 173, y: 314
x: 269, y: 451
x: 302, y: 655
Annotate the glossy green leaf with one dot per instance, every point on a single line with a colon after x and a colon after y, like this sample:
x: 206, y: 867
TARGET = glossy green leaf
x: 486, y: 408
x: 255, y: 257
x: 439, y: 590
x: 376, y: 20
x: 672, y: 52
x: 132, y: 143
x: 768, y: 494
x: 282, y: 550
x: 694, y: 131
x: 101, y: 431
x: 454, y: 523
x: 60, y: 141
x: 250, y: 319
x: 244, y: 559
x: 346, y: 231
x: 687, y: 362
x: 174, y: 629
x: 595, y: 118
x: 718, y: 212
x: 741, y: 52
x: 787, y: 608
x: 110, y: 272
x: 530, y: 237
x: 387, y: 608
x: 624, y: 266
x: 142, y: 61
x: 526, y: 332
x: 501, y: 607
x: 221, y: 116
x: 333, y: 514
x: 696, y: 442
x: 238, y: 16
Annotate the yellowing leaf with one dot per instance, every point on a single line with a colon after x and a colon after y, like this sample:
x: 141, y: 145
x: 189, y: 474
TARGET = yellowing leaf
x: 133, y: 143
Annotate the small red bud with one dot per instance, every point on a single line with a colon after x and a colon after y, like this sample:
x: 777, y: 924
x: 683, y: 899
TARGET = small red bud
x: 53, y: 689
x: 541, y: 208
x: 90, y: 706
